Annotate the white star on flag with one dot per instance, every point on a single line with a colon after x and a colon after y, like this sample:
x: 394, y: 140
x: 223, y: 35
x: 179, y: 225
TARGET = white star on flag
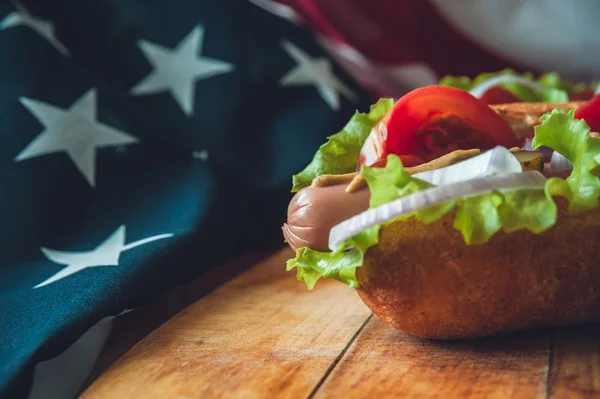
x: 177, y: 70
x: 42, y: 27
x: 74, y: 131
x: 105, y: 254
x: 317, y: 72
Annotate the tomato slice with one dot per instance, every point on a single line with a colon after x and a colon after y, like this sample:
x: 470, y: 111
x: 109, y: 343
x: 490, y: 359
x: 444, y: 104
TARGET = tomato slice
x: 590, y: 113
x: 433, y: 121
x: 499, y: 95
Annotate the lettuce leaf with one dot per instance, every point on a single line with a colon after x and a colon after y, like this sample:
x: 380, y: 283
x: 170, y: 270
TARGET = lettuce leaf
x: 529, y: 209
x: 570, y: 137
x: 312, y: 265
x: 556, y: 89
x: 553, y: 79
x: 340, y: 153
x: 459, y: 82
x: 507, y: 71
x: 393, y: 182
x: 387, y: 184
x: 479, y: 217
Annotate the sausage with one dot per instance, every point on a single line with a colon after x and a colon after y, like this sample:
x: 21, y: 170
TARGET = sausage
x: 315, y: 210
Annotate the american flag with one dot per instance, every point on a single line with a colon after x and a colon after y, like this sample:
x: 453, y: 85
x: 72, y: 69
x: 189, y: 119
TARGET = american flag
x: 145, y: 142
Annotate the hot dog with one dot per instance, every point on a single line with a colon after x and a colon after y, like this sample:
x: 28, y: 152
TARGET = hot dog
x: 456, y: 250
x: 313, y: 211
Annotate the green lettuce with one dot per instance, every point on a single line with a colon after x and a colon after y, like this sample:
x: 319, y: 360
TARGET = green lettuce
x: 570, y: 137
x: 479, y: 217
x: 339, y: 154
x: 339, y: 265
x: 556, y: 90
x: 393, y: 182
x: 552, y: 79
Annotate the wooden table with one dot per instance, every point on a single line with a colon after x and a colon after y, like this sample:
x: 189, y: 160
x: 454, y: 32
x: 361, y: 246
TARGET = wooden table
x: 263, y: 335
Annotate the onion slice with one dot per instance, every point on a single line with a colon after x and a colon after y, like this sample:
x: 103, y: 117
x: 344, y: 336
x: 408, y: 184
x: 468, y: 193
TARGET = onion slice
x: 431, y: 197
x: 496, y: 161
x: 559, y: 163
x: 479, y: 90
x: 597, y: 91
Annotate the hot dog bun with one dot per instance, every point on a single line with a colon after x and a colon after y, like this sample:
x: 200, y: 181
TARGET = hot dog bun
x: 424, y: 280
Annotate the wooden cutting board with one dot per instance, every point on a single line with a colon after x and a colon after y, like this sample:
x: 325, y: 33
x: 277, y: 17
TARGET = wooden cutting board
x: 263, y: 335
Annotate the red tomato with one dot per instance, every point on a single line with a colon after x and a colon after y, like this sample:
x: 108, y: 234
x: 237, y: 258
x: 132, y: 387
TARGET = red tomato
x: 590, y: 113
x: 499, y: 95
x: 410, y: 160
x: 433, y: 121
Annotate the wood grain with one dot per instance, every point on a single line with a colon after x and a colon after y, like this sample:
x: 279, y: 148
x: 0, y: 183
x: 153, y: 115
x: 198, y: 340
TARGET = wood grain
x: 385, y: 363
x: 575, y: 371
x: 131, y: 328
x: 263, y: 335
x: 260, y: 335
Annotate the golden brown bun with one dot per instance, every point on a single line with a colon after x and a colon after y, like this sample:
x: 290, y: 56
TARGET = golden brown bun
x: 424, y: 280
x: 522, y: 116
